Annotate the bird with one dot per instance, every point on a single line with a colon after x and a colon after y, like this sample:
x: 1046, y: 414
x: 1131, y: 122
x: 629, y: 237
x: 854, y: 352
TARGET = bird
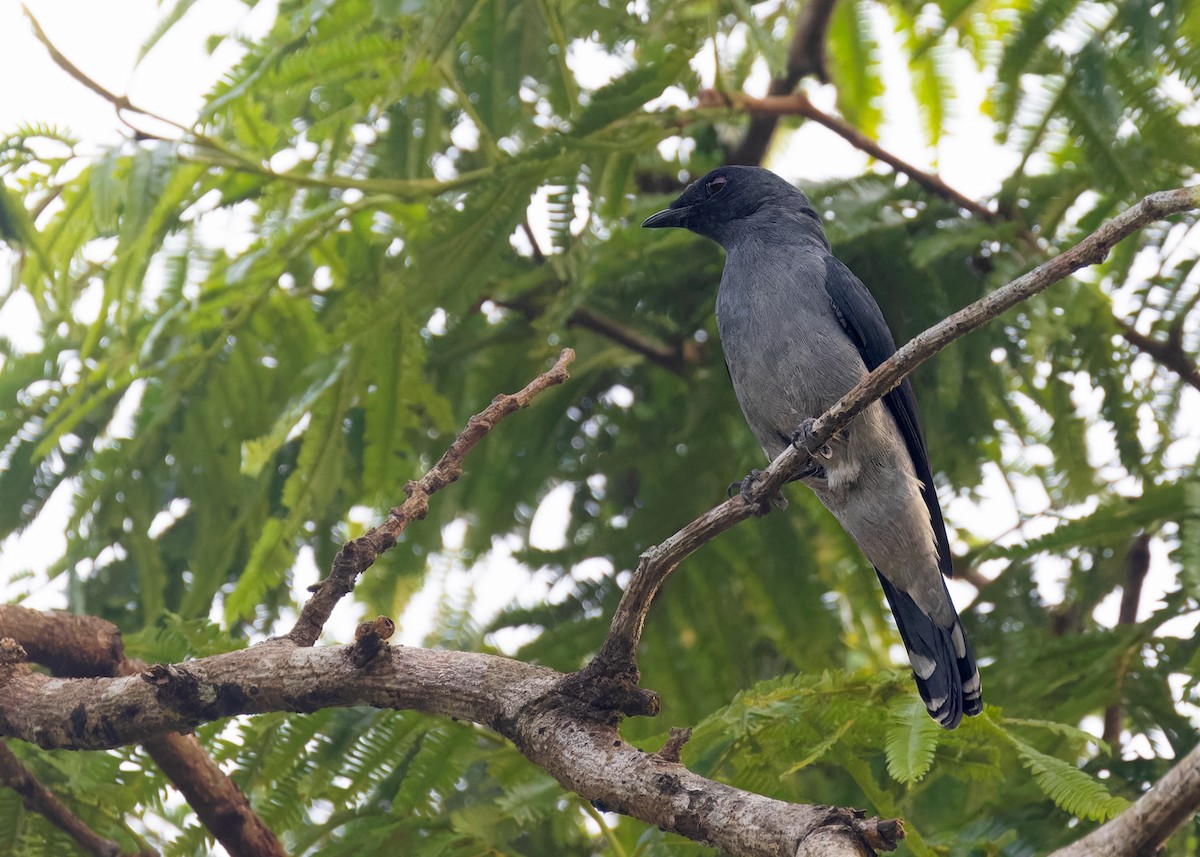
x: 799, y: 330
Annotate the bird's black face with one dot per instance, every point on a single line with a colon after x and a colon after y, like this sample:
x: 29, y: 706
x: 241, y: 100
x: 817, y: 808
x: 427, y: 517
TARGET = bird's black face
x: 725, y: 195
x: 718, y: 197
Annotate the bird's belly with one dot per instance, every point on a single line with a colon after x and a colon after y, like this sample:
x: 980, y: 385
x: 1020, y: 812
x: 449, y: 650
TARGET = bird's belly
x: 871, y: 487
x: 786, y: 379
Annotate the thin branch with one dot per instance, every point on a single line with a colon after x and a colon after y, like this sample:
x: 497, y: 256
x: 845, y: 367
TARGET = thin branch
x: 89, y: 646
x: 671, y: 359
x: 37, y: 798
x: 674, y: 359
x: 1137, y: 565
x: 1169, y: 353
x: 617, y: 655
x: 1147, y: 825
x: 118, y: 101
x: 532, y: 706
x: 227, y: 158
x: 806, y: 56
x: 538, y: 255
x: 357, y: 555
x: 798, y: 104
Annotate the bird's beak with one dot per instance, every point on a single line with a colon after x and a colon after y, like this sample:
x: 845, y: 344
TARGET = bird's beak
x: 667, y: 217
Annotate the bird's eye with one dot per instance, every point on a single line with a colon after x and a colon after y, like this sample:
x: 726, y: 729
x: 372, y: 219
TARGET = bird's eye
x: 714, y: 187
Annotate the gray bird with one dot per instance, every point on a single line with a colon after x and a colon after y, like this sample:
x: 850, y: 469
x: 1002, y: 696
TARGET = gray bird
x: 799, y: 330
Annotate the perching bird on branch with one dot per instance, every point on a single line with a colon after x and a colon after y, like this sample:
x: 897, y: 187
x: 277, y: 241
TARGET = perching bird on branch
x: 799, y: 330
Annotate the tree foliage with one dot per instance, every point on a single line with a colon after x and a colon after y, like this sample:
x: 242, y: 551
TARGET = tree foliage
x: 282, y: 315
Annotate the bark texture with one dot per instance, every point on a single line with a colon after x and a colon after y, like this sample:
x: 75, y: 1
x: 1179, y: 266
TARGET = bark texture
x: 563, y: 725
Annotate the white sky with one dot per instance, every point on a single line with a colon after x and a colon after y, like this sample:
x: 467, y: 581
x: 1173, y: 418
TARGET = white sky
x: 103, y: 39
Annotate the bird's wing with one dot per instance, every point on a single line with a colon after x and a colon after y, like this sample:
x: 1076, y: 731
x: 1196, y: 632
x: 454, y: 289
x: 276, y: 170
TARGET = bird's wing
x: 863, y: 321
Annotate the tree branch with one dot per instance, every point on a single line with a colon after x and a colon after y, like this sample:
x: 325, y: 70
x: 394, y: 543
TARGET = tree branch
x: 37, y: 798
x: 617, y: 655
x: 66, y: 644
x: 672, y: 359
x: 569, y: 737
x: 227, y: 158
x: 1170, y: 353
x: 798, y: 104
x: 806, y: 55
x: 357, y: 555
x: 87, y: 646
x: 1147, y: 825
x: 1137, y: 565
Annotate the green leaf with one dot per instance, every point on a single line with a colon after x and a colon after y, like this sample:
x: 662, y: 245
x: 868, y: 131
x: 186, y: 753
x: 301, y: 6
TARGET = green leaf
x: 1071, y: 789
x: 912, y: 739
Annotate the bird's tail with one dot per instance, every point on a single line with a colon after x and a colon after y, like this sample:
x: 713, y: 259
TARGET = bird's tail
x: 941, y: 658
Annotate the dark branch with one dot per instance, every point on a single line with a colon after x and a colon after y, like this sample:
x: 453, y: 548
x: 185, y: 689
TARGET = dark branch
x: 617, y: 655
x: 1137, y: 565
x: 798, y: 104
x: 1169, y: 353
x: 37, y: 798
x: 357, y: 555
x: 674, y: 359
x: 806, y: 56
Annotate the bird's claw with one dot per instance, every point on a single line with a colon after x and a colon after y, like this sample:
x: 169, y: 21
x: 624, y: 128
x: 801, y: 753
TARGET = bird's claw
x: 802, y: 439
x: 747, y: 485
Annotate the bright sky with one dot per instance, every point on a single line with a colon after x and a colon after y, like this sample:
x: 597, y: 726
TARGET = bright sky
x: 103, y: 39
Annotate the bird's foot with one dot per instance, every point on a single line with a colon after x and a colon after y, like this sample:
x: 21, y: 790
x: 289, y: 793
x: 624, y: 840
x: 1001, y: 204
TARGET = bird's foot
x: 747, y: 485
x: 802, y: 440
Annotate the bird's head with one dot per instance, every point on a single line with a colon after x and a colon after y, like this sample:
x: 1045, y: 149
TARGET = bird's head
x: 732, y: 202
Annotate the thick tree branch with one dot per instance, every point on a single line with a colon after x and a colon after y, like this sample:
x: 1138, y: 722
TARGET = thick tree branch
x: 357, y: 555
x: 536, y: 708
x: 64, y: 643
x: 806, y: 55
x: 1146, y: 826
x: 220, y: 805
x: 87, y: 646
x: 37, y: 798
x: 617, y: 655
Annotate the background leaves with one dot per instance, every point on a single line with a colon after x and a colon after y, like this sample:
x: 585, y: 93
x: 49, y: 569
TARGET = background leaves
x: 225, y: 412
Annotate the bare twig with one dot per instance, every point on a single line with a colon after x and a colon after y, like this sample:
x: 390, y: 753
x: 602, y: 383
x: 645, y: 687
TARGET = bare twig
x: 1146, y: 826
x: 806, y: 55
x: 1169, y: 353
x: 37, y: 798
x: 538, y: 255
x: 223, y: 156
x: 798, y: 104
x: 528, y: 704
x: 89, y: 646
x: 674, y: 359
x: 118, y: 101
x: 357, y: 555
x: 1137, y: 565
x: 617, y: 655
